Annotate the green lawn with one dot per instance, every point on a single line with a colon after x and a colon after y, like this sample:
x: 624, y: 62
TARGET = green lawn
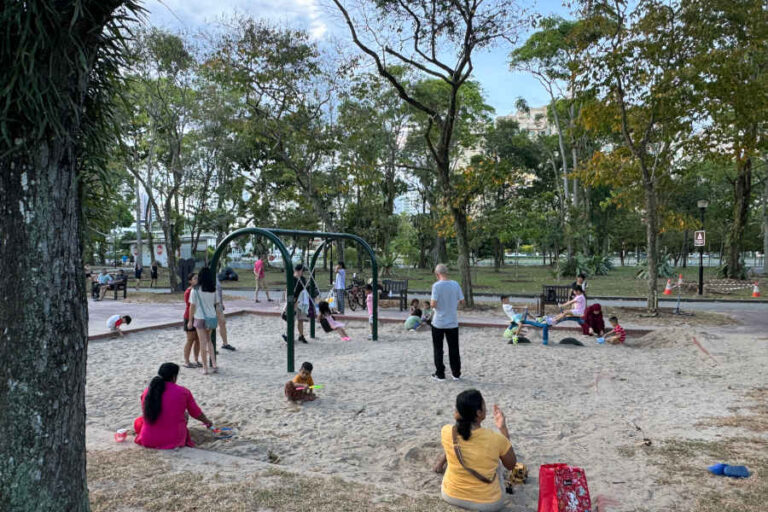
x: 510, y: 279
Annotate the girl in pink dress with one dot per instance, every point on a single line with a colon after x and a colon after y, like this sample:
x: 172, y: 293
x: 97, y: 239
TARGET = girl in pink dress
x: 165, y: 404
x: 328, y: 323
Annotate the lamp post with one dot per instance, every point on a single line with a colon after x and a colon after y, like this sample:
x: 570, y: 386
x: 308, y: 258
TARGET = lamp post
x: 702, y: 204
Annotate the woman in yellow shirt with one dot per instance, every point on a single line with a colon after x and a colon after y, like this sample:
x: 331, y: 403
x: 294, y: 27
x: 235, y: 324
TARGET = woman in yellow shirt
x: 473, y: 478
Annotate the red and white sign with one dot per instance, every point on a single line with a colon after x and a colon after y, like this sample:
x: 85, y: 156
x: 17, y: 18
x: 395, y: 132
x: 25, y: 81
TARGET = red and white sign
x: 159, y: 250
x: 271, y: 257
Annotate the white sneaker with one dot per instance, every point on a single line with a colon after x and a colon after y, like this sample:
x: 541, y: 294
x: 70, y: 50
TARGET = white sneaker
x: 455, y: 378
x: 438, y: 379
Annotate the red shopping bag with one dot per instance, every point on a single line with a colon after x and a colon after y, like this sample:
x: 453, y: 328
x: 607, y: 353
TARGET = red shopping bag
x: 563, y: 488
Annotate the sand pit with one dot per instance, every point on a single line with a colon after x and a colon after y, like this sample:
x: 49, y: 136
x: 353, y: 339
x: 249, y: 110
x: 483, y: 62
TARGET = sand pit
x: 377, y: 422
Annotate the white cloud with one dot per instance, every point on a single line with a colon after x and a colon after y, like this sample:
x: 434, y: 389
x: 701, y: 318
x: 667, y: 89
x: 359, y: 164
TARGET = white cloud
x: 192, y: 14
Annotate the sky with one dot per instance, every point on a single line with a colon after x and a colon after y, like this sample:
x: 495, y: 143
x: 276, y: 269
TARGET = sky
x: 501, y: 86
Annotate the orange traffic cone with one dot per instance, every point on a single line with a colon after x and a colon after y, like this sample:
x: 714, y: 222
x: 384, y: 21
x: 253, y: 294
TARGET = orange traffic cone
x: 668, y: 288
x: 755, y: 290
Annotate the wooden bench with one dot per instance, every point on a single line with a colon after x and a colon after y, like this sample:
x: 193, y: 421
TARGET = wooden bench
x: 552, y: 294
x: 391, y: 288
x: 119, y: 284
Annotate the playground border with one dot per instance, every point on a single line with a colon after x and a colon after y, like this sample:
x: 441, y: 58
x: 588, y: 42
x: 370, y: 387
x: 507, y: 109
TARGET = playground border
x: 471, y: 324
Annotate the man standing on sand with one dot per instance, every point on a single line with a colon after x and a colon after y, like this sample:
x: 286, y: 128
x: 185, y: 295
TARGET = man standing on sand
x: 446, y: 297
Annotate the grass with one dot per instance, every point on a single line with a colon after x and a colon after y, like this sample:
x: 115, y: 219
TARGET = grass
x: 683, y: 463
x: 142, y: 480
x: 620, y: 282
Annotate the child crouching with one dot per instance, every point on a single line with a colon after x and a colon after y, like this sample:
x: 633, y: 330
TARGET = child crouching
x: 299, y: 389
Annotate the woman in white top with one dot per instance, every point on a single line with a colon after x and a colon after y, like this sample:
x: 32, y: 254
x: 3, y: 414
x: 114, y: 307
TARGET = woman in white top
x: 202, y: 305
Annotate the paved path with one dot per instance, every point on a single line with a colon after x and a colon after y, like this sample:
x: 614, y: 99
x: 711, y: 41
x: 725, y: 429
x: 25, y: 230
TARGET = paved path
x: 155, y: 315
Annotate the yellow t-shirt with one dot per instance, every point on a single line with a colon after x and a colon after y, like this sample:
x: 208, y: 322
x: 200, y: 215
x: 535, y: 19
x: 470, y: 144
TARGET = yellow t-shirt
x: 298, y: 379
x: 481, y: 453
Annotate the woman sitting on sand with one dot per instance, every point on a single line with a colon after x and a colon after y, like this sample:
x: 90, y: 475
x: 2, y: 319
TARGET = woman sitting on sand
x: 593, y: 321
x: 474, y: 477
x: 165, y: 404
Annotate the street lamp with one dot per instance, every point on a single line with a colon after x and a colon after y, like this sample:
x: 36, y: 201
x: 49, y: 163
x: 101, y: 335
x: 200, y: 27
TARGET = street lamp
x: 702, y: 204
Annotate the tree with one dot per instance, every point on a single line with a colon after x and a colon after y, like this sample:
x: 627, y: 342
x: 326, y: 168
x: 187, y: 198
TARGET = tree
x: 421, y: 35
x: 160, y: 107
x: 730, y: 72
x: 58, y: 63
x: 636, y: 69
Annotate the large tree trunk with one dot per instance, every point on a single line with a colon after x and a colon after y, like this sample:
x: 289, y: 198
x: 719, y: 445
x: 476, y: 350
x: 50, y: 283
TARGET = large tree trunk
x: 43, y: 330
x: 462, y: 240
x: 742, y: 194
x: 765, y: 222
x: 651, y: 231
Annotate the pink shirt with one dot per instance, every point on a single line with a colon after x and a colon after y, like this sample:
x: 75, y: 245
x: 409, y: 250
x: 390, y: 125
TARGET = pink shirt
x: 369, y: 303
x: 258, y: 269
x: 580, y: 305
x: 169, y: 431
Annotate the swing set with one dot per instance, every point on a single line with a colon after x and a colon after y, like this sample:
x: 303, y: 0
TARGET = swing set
x: 273, y: 235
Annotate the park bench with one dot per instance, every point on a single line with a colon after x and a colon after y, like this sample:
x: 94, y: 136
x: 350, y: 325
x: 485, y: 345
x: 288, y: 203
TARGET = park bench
x: 391, y: 288
x: 552, y: 294
x: 119, y: 284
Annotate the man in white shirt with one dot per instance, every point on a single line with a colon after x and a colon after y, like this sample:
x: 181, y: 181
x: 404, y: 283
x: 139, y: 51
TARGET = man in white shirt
x: 446, y: 297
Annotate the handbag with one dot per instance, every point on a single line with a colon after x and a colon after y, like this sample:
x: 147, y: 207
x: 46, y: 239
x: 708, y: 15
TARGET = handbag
x: 563, y: 488
x: 210, y: 322
x: 457, y: 451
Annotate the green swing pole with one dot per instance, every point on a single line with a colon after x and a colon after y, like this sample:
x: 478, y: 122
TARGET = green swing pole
x: 289, y: 281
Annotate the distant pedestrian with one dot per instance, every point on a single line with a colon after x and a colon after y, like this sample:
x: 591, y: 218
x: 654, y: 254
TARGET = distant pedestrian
x: 446, y: 297
x: 340, y: 286
x: 138, y: 268
x: 153, y: 274
x: 260, y: 277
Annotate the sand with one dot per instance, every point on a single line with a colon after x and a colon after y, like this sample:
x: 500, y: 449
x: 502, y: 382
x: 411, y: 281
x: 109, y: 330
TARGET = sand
x: 378, y: 419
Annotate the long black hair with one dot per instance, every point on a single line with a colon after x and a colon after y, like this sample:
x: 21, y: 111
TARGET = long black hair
x: 324, y: 308
x: 468, y: 404
x: 153, y: 403
x: 206, y: 281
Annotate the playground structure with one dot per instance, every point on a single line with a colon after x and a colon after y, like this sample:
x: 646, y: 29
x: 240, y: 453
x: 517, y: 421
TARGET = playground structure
x: 273, y: 235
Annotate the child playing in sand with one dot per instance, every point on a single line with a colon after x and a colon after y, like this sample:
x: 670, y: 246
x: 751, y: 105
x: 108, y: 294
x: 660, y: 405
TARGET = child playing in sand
x: 579, y: 303
x: 426, y: 316
x: 328, y: 323
x: 617, y: 335
x: 115, y: 321
x: 414, y: 320
x: 299, y: 389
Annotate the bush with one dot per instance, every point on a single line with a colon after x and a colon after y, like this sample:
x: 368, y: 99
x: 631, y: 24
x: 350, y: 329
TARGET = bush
x: 665, y: 269
x: 722, y: 271
x: 580, y: 264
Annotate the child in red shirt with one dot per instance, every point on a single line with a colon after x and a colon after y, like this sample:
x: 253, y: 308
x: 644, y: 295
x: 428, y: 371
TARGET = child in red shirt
x: 617, y: 335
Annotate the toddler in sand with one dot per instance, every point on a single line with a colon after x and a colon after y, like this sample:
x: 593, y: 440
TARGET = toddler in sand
x: 115, y: 321
x: 328, y: 323
x: 414, y: 319
x: 617, y: 335
x: 426, y: 315
x: 299, y: 389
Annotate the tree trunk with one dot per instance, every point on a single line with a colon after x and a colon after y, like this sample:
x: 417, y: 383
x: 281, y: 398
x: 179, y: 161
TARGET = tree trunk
x: 742, y: 194
x: 685, y: 248
x: 44, y: 333
x: 765, y: 221
x: 440, y: 252
x: 498, y: 255
x: 651, y: 232
x: 462, y: 240
x: 170, y: 247
x: 139, y: 248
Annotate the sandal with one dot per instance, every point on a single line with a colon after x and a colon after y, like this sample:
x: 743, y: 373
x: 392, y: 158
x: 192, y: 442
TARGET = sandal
x: 198, y: 364
x: 228, y: 347
x: 189, y: 365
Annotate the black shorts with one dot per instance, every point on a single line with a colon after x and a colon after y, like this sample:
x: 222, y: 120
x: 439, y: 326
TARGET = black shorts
x: 185, y: 324
x: 137, y: 273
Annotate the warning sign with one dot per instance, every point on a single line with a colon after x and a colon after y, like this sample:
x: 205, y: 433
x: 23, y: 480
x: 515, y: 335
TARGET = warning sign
x: 699, y: 238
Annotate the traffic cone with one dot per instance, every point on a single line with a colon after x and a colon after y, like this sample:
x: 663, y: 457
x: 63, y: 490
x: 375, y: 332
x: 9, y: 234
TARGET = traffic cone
x: 755, y: 290
x: 680, y: 280
x: 668, y: 288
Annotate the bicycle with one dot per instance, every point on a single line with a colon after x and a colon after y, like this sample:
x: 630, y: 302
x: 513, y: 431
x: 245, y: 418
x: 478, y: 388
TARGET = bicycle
x: 356, y: 294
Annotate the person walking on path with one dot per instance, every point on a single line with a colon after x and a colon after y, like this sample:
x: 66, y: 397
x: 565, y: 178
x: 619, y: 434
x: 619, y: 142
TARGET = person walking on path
x: 153, y: 274
x: 446, y: 297
x: 138, y: 268
x: 259, y: 277
x: 340, y: 286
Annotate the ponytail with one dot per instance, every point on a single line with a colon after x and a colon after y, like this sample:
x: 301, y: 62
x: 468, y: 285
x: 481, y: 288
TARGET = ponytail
x: 468, y: 404
x: 153, y: 403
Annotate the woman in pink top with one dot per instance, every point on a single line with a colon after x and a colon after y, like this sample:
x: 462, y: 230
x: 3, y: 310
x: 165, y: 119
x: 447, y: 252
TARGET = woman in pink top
x: 165, y: 404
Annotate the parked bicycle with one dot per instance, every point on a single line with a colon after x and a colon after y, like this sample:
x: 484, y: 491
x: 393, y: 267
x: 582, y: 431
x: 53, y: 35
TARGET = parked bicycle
x: 356, y: 293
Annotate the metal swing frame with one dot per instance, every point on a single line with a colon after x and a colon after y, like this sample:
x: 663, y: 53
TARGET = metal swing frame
x: 273, y: 235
